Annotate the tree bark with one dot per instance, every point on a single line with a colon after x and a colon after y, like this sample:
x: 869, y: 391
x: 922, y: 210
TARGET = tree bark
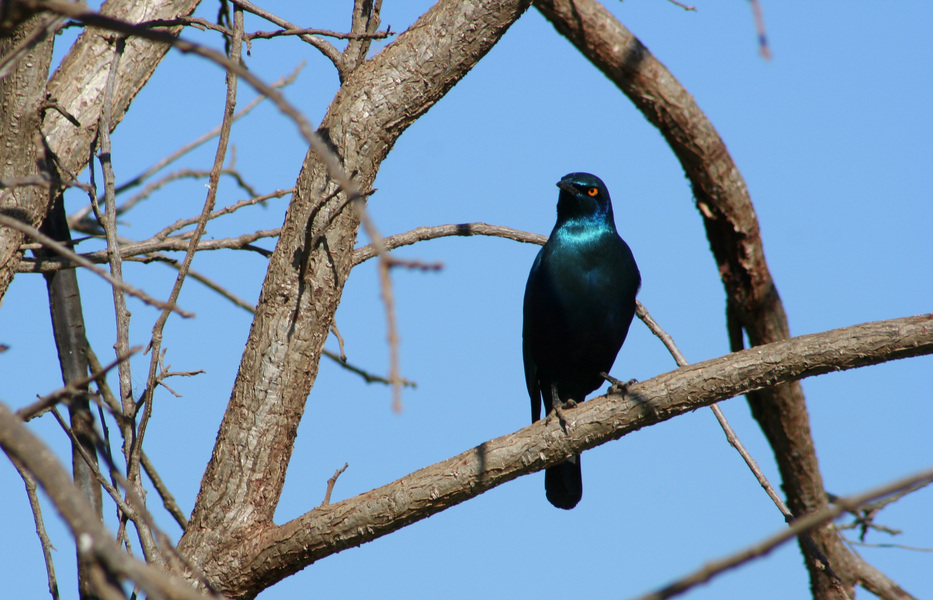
x: 376, y: 103
x: 77, y: 87
x: 274, y: 552
x: 22, y: 93
x: 753, y: 303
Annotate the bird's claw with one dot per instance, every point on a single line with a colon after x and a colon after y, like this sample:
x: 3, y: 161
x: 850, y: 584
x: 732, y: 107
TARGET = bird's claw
x: 617, y: 386
x: 558, y: 411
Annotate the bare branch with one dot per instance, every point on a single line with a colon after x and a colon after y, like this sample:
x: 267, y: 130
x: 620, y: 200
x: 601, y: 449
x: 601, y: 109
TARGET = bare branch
x: 47, y: 547
x: 332, y: 482
x: 93, y: 539
x: 168, y: 500
x: 429, y: 233
x: 46, y: 241
x: 325, y: 530
x: 36, y: 409
x: 265, y: 35
x: 323, y: 46
x: 760, y: 28
x: 798, y: 527
x: 327, y: 158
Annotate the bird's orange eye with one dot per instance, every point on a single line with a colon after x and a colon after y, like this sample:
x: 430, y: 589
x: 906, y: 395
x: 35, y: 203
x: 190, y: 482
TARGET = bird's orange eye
x: 592, y: 191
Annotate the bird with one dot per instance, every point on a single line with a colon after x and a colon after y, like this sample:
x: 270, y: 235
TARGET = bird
x: 578, y: 305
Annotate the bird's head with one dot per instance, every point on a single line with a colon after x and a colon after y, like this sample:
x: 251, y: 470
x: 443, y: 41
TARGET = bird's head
x: 583, y: 195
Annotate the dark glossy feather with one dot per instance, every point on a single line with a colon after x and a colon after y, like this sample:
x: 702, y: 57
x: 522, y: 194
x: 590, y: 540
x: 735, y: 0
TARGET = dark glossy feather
x: 579, y: 303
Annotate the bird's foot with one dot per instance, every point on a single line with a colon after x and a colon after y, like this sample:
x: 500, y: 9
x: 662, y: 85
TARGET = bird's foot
x: 617, y: 386
x: 558, y: 409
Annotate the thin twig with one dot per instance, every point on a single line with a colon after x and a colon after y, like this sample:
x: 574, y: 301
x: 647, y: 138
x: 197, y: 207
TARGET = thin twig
x: 385, y: 287
x: 731, y: 436
x: 139, y: 179
x: 126, y: 509
x: 798, y: 527
x: 683, y: 6
x: 265, y: 35
x: 158, y: 184
x: 47, y: 547
x: 421, y: 234
x: 332, y: 482
x: 168, y: 500
x: 109, y: 222
x: 323, y: 46
x: 63, y: 250
x: 36, y: 409
x: 219, y: 157
x: 328, y: 158
x: 336, y: 332
x: 760, y: 28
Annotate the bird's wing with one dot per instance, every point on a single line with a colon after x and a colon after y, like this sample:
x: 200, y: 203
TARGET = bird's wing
x: 531, y: 381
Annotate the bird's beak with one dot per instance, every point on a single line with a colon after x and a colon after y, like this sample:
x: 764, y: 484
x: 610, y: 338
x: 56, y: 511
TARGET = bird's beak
x: 567, y: 187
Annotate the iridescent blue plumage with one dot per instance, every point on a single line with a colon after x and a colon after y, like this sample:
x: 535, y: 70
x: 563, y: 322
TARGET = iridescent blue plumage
x: 579, y: 303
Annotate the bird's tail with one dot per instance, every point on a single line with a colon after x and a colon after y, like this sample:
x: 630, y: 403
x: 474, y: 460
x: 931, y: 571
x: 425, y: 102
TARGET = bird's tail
x: 563, y: 483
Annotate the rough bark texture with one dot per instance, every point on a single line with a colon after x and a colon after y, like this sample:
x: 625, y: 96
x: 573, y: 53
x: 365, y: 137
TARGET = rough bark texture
x: 753, y: 304
x: 78, y: 87
x: 21, y: 155
x: 325, y: 530
x: 244, y: 479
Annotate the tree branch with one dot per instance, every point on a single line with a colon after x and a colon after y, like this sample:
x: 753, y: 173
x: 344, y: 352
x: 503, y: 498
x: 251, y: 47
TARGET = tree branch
x: 753, y: 303
x: 325, y: 530
x: 94, y: 541
x: 306, y: 273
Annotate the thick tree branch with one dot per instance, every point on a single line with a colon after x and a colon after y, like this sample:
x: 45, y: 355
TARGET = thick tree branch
x: 376, y: 103
x: 281, y: 551
x: 28, y: 53
x: 77, y: 87
x: 753, y: 304
x: 95, y: 542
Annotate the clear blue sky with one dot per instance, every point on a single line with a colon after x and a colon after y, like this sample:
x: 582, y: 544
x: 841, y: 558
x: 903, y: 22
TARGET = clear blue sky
x: 833, y: 139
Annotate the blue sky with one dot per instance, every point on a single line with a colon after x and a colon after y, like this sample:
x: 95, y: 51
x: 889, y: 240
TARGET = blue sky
x: 832, y: 137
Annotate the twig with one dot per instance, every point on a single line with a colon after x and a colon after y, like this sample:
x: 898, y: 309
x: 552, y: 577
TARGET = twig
x: 36, y: 409
x: 182, y: 174
x: 265, y: 35
x: 109, y: 222
x: 367, y: 376
x: 223, y: 211
x: 150, y: 250
x: 385, y: 287
x: 219, y: 157
x: 280, y: 83
x: 47, y: 547
x: 328, y: 159
x: 760, y: 28
x: 897, y: 546
x: 798, y: 527
x: 168, y: 500
x: 336, y: 332
x: 323, y: 46
x: 683, y: 6
x: 731, y: 436
x: 61, y: 249
x: 438, y: 231
x: 332, y: 482
x: 864, y: 517
x: 126, y: 509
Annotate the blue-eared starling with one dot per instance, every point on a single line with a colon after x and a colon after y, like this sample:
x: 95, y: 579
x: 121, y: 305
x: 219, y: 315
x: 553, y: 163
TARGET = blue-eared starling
x: 579, y: 303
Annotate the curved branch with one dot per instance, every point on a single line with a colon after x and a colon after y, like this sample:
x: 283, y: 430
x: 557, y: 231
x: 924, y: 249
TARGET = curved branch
x: 376, y: 103
x: 421, y: 234
x: 753, y: 303
x: 325, y: 530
